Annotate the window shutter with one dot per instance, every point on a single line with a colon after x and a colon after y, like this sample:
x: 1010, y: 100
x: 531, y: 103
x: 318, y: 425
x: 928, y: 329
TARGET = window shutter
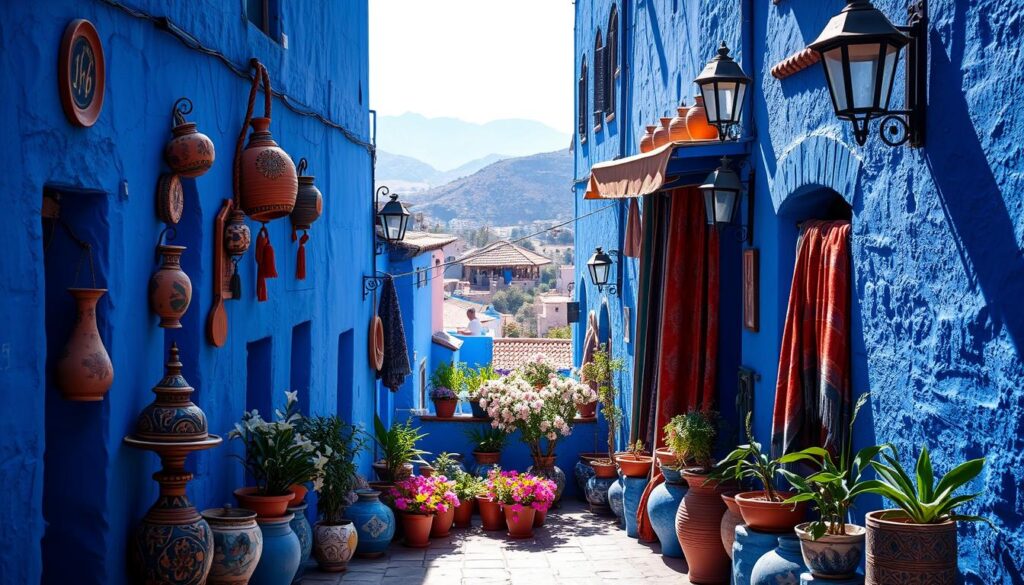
x: 581, y: 99
x: 612, y: 57
x: 600, y: 79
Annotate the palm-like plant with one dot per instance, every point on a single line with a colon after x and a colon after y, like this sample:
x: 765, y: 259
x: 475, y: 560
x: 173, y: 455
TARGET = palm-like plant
x: 748, y: 461
x: 486, y: 439
x: 397, y: 445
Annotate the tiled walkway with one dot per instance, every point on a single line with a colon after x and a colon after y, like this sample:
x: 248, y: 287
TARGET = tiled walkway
x: 573, y: 547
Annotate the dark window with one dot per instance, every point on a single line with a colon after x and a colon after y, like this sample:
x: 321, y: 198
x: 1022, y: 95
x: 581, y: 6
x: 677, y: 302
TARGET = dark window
x: 600, y: 80
x: 611, y: 63
x: 581, y: 101
x: 264, y: 15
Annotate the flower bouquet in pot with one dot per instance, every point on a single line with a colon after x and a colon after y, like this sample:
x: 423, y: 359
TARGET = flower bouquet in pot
x: 487, y: 502
x: 278, y: 456
x: 488, y: 443
x: 446, y: 383
x: 418, y: 499
x: 537, y: 371
x: 522, y: 496
x: 398, y: 450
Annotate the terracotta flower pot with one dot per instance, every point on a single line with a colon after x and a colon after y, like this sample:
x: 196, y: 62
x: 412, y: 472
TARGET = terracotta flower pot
x: 660, y: 135
x: 170, y: 290
x: 416, y: 528
x: 539, y: 516
x: 490, y: 513
x: 520, y: 523
x: 300, y: 490
x: 901, y: 552
x: 677, y: 131
x: 384, y: 475
x: 730, y: 520
x: 189, y: 153
x: 445, y: 408
x: 426, y: 471
x: 604, y: 469
x: 633, y: 465
x: 334, y: 545
x: 442, y: 523
x: 666, y: 457
x: 832, y: 556
x: 697, y: 122
x: 698, y: 522
x: 587, y: 411
x: 264, y: 506
x: 269, y: 184
x: 84, y: 372
x: 760, y: 514
x: 464, y: 513
x: 647, y: 140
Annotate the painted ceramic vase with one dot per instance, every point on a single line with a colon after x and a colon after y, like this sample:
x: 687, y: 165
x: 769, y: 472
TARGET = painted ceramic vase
x: 485, y: 462
x: 374, y: 523
x: 237, y: 545
x: 237, y: 236
x: 84, y: 372
x: 170, y: 290
x: 545, y: 467
x: 647, y: 140
x: 782, y: 565
x: 416, y: 529
x: 281, y: 552
x: 597, y: 489
x: 698, y: 521
x: 172, y: 416
x: 189, y: 153
x: 309, y: 204
x: 662, y: 505
x: 615, y: 493
x: 582, y: 472
x: 442, y: 523
x: 269, y: 184
x: 748, y: 547
x: 334, y: 545
x: 677, y: 131
x: 173, y: 544
x: 697, y: 122
x: 832, y: 556
x: 490, y: 514
x: 519, y: 522
x: 901, y: 552
x: 633, y: 490
x: 302, y: 529
x: 660, y: 135
x: 730, y: 520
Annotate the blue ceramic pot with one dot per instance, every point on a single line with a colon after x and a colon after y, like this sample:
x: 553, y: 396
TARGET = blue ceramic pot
x: 597, y: 493
x: 302, y: 529
x: 281, y: 552
x: 661, y: 508
x: 615, y: 492
x: 749, y: 546
x: 478, y: 412
x: 374, y: 522
x: 545, y: 467
x: 634, y: 490
x: 782, y: 565
x: 582, y: 472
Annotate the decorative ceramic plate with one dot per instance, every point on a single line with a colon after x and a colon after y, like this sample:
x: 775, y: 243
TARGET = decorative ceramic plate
x: 81, y: 73
x: 170, y: 198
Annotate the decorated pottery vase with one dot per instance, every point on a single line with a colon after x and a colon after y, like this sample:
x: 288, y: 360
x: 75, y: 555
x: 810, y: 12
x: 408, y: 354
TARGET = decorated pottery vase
x: 189, y: 153
x: 269, y: 184
x: 730, y: 520
x: 677, y: 131
x: 334, y: 545
x: 698, y: 521
x: 615, y: 494
x: 902, y: 552
x: 309, y: 204
x: 170, y: 290
x: 832, y: 556
x: 597, y: 493
x: 662, y: 505
x: 582, y: 472
x: 747, y: 548
x: 302, y: 529
x: 660, y: 136
x: 281, y: 552
x: 173, y: 544
x: 84, y: 372
x: 545, y: 467
x: 374, y: 523
x: 781, y: 565
x: 633, y: 490
x: 485, y: 462
x: 172, y: 416
x: 697, y: 122
x: 237, y: 545
x: 237, y: 236
x: 647, y: 140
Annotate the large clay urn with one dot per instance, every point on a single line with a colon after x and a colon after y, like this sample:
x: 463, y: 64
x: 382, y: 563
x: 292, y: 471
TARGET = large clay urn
x: 281, y: 552
x: 170, y: 290
x: 697, y: 122
x: 698, y: 521
x: 374, y: 523
x: 730, y: 520
x: 172, y: 416
x: 189, y: 153
x: 545, y: 467
x: 902, y: 552
x: 677, y: 131
x: 269, y: 184
x: 647, y: 140
x: 84, y: 372
x: 237, y: 545
x: 660, y: 135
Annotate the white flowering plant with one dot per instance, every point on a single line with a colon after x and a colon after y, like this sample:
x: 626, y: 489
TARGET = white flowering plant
x: 542, y: 414
x: 277, y: 454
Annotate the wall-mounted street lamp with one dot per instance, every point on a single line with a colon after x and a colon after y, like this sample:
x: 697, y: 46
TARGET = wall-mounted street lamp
x: 600, y: 267
x: 723, y: 84
x: 859, y: 50
x: 722, y: 190
x: 393, y: 220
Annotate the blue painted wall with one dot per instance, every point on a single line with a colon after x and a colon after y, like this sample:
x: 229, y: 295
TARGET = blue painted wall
x: 938, y: 337
x: 73, y: 492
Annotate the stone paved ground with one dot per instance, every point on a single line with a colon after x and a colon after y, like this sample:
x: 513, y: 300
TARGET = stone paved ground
x: 573, y: 547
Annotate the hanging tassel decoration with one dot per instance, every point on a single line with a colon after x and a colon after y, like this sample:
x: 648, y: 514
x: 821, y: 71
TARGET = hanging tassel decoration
x: 267, y: 267
x: 236, y: 280
x: 300, y: 259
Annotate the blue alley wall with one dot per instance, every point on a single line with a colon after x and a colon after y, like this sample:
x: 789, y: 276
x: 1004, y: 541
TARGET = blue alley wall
x: 73, y: 492
x: 937, y: 329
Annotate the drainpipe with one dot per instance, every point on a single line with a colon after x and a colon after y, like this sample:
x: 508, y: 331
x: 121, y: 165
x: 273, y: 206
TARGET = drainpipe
x: 747, y: 58
x: 373, y: 254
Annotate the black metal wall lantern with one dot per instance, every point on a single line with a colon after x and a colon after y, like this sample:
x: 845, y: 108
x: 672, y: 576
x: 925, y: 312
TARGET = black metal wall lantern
x: 600, y: 267
x: 722, y: 191
x: 859, y: 50
x: 393, y: 220
x: 723, y: 84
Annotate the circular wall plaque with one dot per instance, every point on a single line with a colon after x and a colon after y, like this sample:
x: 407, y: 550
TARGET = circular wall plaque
x: 170, y: 199
x: 81, y: 73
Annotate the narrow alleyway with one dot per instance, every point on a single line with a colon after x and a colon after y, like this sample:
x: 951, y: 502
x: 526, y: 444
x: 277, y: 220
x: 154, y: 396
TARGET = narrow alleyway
x: 574, y: 547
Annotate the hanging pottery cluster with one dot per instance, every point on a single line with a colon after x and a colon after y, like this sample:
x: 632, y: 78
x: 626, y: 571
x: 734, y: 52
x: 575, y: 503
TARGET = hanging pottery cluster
x: 691, y: 124
x: 309, y: 205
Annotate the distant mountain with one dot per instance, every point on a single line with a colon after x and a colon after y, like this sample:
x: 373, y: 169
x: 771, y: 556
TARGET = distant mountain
x: 448, y: 143
x: 405, y: 174
x: 508, y: 192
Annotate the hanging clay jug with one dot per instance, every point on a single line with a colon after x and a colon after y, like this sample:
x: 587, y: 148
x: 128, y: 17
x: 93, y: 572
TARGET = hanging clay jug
x: 84, y: 372
x: 170, y: 290
x: 172, y: 416
x: 309, y: 201
x: 647, y: 140
x: 677, y: 131
x: 661, y: 133
x: 237, y: 236
x: 269, y: 184
x: 697, y: 122
x: 189, y: 153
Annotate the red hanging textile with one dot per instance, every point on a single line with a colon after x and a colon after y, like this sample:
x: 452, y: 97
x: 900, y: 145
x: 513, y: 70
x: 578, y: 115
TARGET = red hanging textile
x: 812, y: 395
x: 266, y: 266
x: 300, y: 257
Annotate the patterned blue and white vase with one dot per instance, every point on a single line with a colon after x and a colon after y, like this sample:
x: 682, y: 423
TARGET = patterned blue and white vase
x: 237, y: 545
x: 374, y: 523
x: 302, y: 529
x: 832, y: 556
x: 782, y: 565
x: 582, y: 472
x: 661, y: 508
x: 281, y: 552
x: 748, y: 548
x: 615, y: 493
x: 634, y: 490
x: 597, y: 493
x: 545, y: 467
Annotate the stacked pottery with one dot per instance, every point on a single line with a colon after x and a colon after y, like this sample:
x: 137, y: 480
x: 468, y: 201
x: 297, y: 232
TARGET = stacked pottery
x: 697, y: 122
x: 662, y: 505
x: 647, y: 140
x: 660, y: 135
x: 677, y: 131
x: 782, y: 565
x: 189, y: 153
x: 545, y: 467
x: 698, y: 522
x: 730, y: 521
x: 334, y: 545
x: 748, y: 547
x: 304, y: 532
x: 374, y: 523
x: 172, y: 413
x: 170, y: 290
x: 237, y: 545
x: 599, y: 484
x: 281, y: 552
x: 84, y: 372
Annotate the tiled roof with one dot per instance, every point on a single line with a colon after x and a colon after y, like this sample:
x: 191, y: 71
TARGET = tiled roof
x: 510, y: 353
x: 503, y: 253
x: 419, y: 242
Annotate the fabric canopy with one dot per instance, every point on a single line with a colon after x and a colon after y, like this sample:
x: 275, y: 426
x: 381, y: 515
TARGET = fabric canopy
x: 634, y: 176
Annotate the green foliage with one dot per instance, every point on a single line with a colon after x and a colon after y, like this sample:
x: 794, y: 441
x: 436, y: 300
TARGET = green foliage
x: 543, y: 288
x: 343, y: 441
x: 468, y: 486
x: 510, y: 300
x: 560, y: 333
x: 526, y: 316
x: 398, y: 444
x: 446, y: 465
x: 691, y: 437
x: 486, y: 439
x: 513, y: 330
x: 600, y: 372
x: 548, y: 276
x: 748, y: 461
x: 474, y: 378
x: 451, y: 376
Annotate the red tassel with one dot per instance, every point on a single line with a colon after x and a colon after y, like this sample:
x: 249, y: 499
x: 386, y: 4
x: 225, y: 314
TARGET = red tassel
x: 266, y: 267
x: 300, y: 258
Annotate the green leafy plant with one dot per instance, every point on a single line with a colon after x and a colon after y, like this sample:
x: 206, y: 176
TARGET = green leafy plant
x: 749, y: 462
x: 447, y: 381
x: 691, y: 437
x: 446, y: 465
x: 636, y: 449
x: 486, y: 439
x: 600, y: 372
x: 343, y: 442
x: 468, y: 486
x: 475, y: 378
x: 397, y: 445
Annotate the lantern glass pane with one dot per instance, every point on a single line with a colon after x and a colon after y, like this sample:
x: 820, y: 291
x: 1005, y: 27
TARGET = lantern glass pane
x: 392, y: 225
x: 725, y: 201
x: 709, y: 205
x: 836, y: 79
x: 599, y: 273
x: 891, y: 55
x: 864, y: 74
x: 710, y: 101
x: 741, y: 88
x: 726, y: 99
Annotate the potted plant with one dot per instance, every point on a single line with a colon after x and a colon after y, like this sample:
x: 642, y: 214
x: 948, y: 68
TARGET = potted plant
x: 445, y: 385
x: 334, y: 537
x: 600, y: 373
x: 487, y: 502
x: 487, y: 445
x: 475, y: 378
x: 690, y: 440
x: 521, y: 496
x: 765, y: 510
x: 418, y: 499
x: 634, y: 462
x: 445, y: 515
x: 397, y: 448
x: 467, y: 488
x: 538, y: 371
x: 278, y: 457
x: 917, y: 541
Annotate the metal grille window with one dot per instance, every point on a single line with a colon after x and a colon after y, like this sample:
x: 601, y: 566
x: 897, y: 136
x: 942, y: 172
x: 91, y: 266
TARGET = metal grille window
x: 600, y: 81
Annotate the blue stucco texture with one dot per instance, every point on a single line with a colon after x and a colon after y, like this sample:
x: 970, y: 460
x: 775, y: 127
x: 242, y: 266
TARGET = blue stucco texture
x: 938, y: 328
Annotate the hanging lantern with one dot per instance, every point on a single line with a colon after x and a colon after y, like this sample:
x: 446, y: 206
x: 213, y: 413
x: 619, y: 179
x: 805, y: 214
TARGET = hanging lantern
x: 393, y: 219
x: 723, y: 85
x: 308, y: 207
x: 599, y: 265
x: 237, y: 238
x: 721, y: 192
x: 190, y: 153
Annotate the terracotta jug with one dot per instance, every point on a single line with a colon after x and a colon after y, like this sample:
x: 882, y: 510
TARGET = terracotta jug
x: 308, y: 203
x: 647, y: 140
x: 237, y: 236
x: 269, y: 184
x: 84, y: 372
x: 661, y: 133
x: 170, y: 290
x: 677, y: 131
x: 697, y: 122
x: 698, y: 522
x: 189, y: 153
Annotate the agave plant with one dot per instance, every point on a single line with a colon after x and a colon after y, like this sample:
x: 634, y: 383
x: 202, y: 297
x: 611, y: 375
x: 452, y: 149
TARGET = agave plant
x: 748, y: 461
x: 398, y: 445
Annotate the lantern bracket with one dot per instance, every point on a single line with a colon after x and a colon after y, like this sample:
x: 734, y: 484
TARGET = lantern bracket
x: 372, y: 283
x: 614, y: 288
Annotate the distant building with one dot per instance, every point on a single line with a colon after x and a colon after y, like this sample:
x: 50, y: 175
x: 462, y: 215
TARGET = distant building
x: 500, y: 265
x: 452, y: 252
x: 566, y: 276
x: 455, y: 316
x: 551, y: 312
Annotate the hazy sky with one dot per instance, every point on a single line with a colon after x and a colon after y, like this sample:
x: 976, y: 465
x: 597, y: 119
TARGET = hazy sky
x: 477, y: 60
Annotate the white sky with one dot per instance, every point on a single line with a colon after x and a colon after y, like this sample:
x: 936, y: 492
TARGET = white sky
x: 476, y: 60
